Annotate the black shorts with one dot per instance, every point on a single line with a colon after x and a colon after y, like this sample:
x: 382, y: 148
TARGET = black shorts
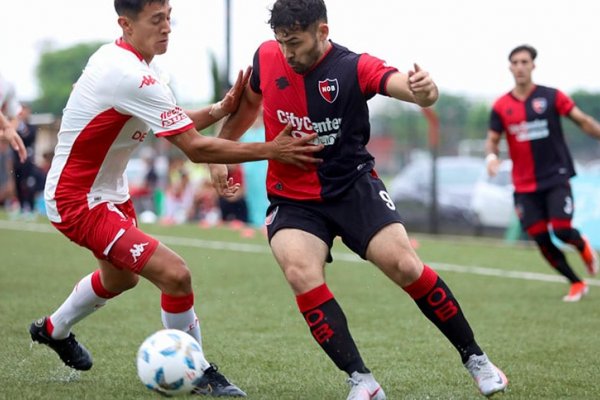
x: 356, y: 216
x: 551, y: 204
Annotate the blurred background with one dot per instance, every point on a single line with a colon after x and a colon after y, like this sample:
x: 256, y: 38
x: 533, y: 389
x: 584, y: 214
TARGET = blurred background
x: 431, y: 161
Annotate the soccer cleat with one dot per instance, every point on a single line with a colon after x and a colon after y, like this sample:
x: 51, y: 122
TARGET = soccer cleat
x: 71, y: 352
x: 487, y: 376
x: 590, y: 258
x: 364, y: 387
x: 576, y: 292
x: 213, y: 383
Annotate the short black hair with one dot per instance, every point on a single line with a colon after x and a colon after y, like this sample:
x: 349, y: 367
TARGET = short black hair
x: 132, y: 8
x: 293, y: 14
x: 524, y: 47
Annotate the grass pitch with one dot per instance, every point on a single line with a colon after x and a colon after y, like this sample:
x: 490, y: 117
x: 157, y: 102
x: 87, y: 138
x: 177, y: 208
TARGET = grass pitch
x: 253, y: 331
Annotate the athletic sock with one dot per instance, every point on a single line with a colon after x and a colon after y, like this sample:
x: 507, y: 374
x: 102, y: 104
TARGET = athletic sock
x: 177, y: 312
x: 436, y: 301
x: 87, y: 296
x: 555, y: 257
x: 329, y: 328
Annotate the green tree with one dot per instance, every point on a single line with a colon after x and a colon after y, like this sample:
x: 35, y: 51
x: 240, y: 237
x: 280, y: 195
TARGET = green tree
x: 57, y: 71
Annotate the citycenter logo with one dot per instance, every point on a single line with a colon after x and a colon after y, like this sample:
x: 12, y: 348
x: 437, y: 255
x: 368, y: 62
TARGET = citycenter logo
x: 328, y: 130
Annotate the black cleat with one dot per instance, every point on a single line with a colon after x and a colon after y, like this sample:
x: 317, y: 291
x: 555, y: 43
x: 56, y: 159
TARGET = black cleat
x: 72, y: 353
x: 213, y: 383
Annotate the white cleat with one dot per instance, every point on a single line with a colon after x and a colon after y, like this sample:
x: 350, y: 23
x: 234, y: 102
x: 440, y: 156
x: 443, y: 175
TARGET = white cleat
x: 487, y: 376
x: 364, y: 387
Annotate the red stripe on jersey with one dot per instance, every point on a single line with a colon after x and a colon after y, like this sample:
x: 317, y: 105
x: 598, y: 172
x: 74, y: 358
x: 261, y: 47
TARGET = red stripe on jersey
x: 512, y: 112
x: 176, y: 131
x: 85, y: 159
x: 283, y: 89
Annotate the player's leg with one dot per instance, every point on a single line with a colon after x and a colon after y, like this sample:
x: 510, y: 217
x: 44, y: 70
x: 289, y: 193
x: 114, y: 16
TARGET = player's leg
x: 169, y: 272
x: 560, y: 208
x: 102, y: 230
x: 300, y: 239
x: 391, y: 251
x: 534, y: 214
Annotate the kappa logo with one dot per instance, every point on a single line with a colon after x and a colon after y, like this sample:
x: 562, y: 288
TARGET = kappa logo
x: 329, y: 89
x: 539, y: 104
x: 147, y: 80
x: 137, y: 249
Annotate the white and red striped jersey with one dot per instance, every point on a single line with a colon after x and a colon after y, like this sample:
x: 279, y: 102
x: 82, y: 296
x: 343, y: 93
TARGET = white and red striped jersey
x: 116, y: 101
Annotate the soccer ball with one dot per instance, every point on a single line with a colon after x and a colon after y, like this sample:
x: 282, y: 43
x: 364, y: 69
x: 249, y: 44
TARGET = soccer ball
x: 169, y: 361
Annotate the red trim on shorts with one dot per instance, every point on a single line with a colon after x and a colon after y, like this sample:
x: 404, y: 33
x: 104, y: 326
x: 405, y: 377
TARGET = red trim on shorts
x: 558, y: 224
x: 176, y: 304
x: 423, y: 285
x: 99, y: 289
x: 313, y: 298
x: 537, y: 228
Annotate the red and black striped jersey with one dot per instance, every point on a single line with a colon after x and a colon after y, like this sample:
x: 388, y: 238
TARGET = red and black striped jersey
x: 536, y: 142
x: 331, y: 100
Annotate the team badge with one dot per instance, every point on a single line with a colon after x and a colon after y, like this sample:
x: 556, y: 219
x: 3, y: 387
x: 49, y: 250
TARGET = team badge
x: 539, y: 104
x: 329, y: 89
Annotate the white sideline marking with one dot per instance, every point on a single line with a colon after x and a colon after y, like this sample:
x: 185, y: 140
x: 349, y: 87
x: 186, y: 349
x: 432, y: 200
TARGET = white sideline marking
x: 262, y: 249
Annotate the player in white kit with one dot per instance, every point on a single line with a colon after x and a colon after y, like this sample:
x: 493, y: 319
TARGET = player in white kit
x: 118, y: 101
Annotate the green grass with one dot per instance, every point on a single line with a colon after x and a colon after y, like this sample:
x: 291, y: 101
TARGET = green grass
x: 253, y: 331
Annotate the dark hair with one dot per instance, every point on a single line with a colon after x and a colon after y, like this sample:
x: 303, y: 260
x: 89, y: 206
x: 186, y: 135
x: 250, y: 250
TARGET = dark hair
x: 524, y: 47
x: 132, y: 8
x: 294, y: 14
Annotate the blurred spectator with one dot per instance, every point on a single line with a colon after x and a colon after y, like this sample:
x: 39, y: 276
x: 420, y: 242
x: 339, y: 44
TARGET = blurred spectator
x: 7, y: 184
x: 179, y: 194
x: 29, y: 178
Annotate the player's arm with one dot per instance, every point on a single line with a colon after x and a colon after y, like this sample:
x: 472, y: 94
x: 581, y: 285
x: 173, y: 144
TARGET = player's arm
x: 492, y: 149
x: 415, y: 86
x: 284, y: 148
x: 8, y: 133
x: 243, y: 118
x: 585, y: 122
x: 207, y: 116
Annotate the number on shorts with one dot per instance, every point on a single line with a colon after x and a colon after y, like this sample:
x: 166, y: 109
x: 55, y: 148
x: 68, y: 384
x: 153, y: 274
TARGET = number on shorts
x: 388, y: 200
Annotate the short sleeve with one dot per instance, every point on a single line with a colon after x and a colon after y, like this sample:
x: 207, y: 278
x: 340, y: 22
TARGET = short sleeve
x: 373, y: 74
x: 564, y: 104
x: 496, y: 121
x: 146, y: 98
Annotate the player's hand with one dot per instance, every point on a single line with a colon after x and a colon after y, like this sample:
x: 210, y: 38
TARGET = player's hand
x: 296, y: 151
x: 422, y: 86
x: 224, y: 185
x: 492, y: 165
x: 231, y: 101
x: 11, y: 136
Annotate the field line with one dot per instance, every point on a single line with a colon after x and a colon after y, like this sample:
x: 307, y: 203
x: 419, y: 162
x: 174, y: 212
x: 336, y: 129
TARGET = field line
x: 264, y: 249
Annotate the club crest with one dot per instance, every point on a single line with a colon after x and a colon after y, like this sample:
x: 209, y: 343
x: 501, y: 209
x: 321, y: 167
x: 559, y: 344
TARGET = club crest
x: 539, y: 104
x: 329, y: 89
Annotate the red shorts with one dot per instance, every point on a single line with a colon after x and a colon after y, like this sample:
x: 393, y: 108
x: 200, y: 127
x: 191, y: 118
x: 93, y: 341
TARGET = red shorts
x: 110, y: 231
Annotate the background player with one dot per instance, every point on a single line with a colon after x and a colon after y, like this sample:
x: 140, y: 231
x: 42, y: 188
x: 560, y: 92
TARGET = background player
x: 116, y: 101
x: 542, y: 165
x: 318, y: 86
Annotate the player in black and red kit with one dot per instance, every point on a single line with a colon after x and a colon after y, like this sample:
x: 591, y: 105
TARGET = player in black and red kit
x: 304, y: 79
x: 542, y: 165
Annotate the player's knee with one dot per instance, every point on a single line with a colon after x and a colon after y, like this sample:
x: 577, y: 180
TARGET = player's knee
x: 179, y: 278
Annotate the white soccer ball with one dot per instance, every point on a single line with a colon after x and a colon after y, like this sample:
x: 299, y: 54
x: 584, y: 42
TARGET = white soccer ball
x: 169, y: 361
